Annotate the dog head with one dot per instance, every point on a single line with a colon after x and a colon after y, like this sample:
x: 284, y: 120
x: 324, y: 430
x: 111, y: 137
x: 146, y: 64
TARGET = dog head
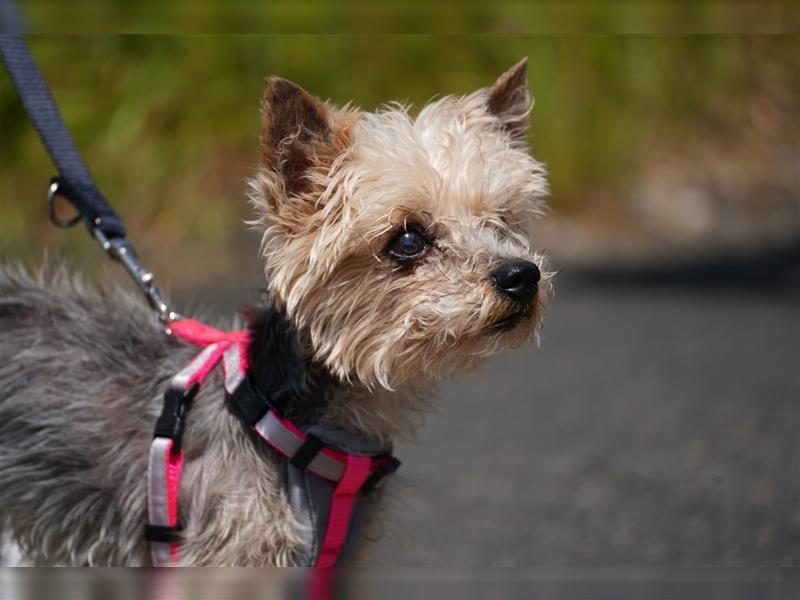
x: 402, y: 244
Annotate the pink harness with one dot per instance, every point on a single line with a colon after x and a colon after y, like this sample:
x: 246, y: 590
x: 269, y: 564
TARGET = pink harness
x: 354, y: 474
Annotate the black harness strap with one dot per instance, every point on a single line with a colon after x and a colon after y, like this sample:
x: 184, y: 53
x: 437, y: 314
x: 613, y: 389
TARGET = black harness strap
x: 75, y: 182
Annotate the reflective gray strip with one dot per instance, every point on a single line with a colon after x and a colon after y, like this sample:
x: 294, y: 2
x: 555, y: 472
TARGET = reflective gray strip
x: 157, y: 510
x: 181, y: 380
x: 232, y: 364
x: 287, y: 442
x: 157, y: 502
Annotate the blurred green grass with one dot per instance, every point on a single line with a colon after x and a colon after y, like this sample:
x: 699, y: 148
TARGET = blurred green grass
x: 413, y: 16
x: 169, y: 124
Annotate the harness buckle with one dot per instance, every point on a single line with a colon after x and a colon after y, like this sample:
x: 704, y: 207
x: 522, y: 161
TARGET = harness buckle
x: 378, y: 477
x: 248, y: 401
x: 171, y: 421
x: 163, y: 533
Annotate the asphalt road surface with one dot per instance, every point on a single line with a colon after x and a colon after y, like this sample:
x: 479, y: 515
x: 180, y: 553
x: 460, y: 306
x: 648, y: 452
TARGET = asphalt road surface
x: 657, y: 424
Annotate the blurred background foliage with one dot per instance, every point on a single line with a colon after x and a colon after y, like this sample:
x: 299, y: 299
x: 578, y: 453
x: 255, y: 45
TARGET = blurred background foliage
x: 655, y: 427
x: 404, y: 16
x: 169, y: 124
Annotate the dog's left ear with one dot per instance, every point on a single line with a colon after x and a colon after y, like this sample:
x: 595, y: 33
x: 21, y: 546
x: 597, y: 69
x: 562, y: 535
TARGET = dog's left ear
x: 510, y: 100
x: 295, y: 128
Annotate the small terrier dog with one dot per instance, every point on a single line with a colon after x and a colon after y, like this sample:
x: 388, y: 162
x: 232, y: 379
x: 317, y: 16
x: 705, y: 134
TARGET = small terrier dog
x: 397, y: 251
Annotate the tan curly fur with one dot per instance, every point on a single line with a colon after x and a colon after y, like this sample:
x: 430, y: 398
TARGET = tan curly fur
x: 460, y: 170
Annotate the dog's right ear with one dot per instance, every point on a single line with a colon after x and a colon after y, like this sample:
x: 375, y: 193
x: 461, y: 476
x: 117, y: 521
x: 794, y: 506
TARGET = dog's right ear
x: 295, y: 127
x: 510, y: 100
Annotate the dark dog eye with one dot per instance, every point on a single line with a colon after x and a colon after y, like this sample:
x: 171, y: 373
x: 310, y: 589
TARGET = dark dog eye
x: 408, y: 244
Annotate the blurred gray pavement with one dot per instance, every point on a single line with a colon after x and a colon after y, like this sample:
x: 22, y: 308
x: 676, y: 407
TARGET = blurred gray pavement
x: 657, y: 424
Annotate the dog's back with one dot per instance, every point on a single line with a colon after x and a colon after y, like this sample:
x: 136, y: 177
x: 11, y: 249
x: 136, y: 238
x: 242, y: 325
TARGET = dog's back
x: 81, y: 375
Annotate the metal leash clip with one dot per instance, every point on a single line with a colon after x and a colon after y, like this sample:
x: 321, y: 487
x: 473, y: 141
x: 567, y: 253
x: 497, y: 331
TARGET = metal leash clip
x: 120, y: 250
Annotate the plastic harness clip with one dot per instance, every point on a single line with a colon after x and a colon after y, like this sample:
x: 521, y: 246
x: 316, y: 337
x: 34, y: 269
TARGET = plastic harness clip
x: 163, y: 533
x: 170, y: 423
x: 248, y: 402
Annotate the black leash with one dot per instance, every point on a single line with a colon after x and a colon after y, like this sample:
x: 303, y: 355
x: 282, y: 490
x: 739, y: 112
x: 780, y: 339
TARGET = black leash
x: 73, y: 182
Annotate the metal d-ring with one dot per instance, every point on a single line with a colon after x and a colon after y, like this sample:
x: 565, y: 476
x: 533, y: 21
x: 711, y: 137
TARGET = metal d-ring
x: 52, y: 192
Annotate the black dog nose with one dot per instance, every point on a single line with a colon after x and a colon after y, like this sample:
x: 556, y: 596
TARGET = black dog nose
x: 517, y: 279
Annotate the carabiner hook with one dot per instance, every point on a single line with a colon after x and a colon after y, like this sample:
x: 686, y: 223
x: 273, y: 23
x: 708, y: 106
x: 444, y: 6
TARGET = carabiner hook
x: 117, y: 248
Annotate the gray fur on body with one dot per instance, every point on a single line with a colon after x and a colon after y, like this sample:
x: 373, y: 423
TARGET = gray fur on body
x: 81, y: 381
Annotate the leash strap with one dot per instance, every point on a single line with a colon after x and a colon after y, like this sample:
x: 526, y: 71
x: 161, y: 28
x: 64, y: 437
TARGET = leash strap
x: 75, y: 182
